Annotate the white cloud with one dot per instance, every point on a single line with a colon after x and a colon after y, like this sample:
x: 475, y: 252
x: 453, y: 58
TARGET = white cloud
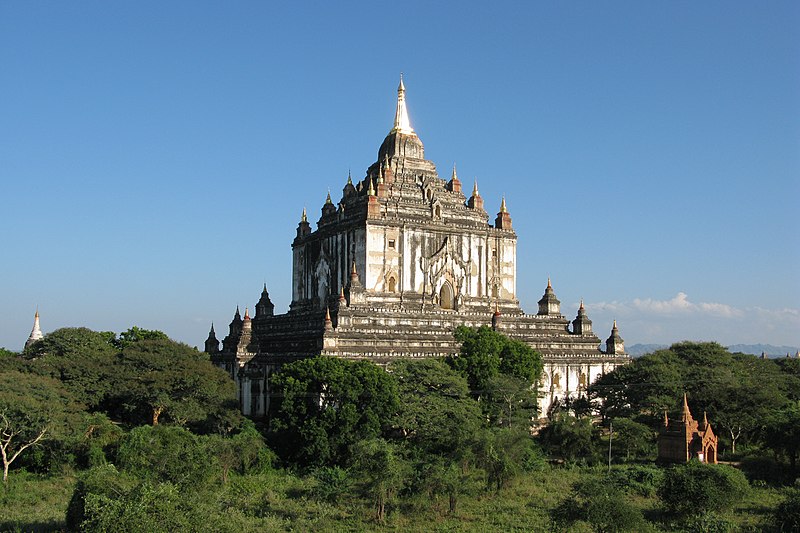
x: 678, y: 318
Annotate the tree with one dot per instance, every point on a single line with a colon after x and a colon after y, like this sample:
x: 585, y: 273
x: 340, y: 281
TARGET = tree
x: 439, y: 418
x: 82, y: 359
x: 632, y: 439
x: 737, y: 391
x: 162, y: 378
x: 136, y: 334
x: 787, y: 515
x: 327, y: 404
x: 485, y: 353
x: 569, y: 437
x: 381, y: 470
x: 509, y: 402
x: 435, y: 411
x: 33, y: 409
x: 782, y: 433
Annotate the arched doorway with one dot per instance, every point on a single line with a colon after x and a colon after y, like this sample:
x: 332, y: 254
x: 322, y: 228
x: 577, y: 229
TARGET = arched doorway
x: 446, y: 296
x: 392, y: 284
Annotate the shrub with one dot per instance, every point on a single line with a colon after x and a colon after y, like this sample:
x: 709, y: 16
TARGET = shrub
x: 787, y: 514
x: 696, y: 488
x: 103, y: 480
x: 165, y: 453
x: 637, y: 479
x: 763, y: 468
x: 601, y: 504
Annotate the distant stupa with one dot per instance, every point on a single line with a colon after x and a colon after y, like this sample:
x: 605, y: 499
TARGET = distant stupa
x: 36, y: 332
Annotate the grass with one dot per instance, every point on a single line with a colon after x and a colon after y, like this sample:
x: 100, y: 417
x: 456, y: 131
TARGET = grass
x: 35, y: 503
x: 280, y: 501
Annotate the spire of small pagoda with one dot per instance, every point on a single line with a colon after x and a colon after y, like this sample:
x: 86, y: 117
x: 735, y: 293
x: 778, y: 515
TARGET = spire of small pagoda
x: 401, y: 122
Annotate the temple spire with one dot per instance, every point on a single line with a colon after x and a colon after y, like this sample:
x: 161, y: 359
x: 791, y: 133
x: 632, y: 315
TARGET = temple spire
x: 503, y: 208
x: 401, y: 122
x: 304, y: 217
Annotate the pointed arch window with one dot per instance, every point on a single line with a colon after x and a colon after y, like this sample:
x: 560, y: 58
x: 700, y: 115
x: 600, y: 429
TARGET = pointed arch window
x: 446, y: 296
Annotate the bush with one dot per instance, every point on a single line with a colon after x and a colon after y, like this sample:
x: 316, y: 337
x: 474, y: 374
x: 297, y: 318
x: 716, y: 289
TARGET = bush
x: 637, y: 479
x: 696, y: 488
x: 709, y: 522
x: 787, y: 514
x: 601, y: 504
x: 103, y: 480
x: 763, y: 468
x: 166, y: 453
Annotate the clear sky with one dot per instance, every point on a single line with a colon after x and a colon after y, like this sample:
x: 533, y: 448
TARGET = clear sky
x: 155, y: 156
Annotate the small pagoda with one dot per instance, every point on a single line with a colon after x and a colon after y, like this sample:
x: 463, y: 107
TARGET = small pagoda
x: 681, y: 440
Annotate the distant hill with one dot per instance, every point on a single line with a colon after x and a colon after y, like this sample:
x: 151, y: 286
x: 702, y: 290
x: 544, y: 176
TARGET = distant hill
x: 769, y: 349
x: 637, y: 350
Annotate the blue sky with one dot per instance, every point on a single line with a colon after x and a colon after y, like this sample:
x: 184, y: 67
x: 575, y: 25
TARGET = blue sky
x: 155, y: 156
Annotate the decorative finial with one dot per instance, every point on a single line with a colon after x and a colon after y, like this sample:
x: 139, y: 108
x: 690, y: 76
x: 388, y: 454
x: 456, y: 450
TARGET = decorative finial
x: 341, y: 294
x: 549, y: 285
x: 349, y: 177
x: 454, y: 176
x: 370, y: 191
x: 615, y: 327
x: 304, y: 218
x: 327, y: 314
x: 353, y: 269
x: 581, y: 307
x: 328, y: 199
x: 246, y: 313
x: 401, y: 122
x: 475, y: 188
x: 212, y: 329
x: 503, y: 205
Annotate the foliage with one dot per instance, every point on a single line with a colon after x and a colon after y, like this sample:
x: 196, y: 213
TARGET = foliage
x: 34, y: 411
x: 782, y: 433
x: 70, y: 342
x: 99, y: 441
x: 696, y: 488
x: 509, y: 402
x: 570, y: 438
x: 643, y: 480
x: 601, y: 504
x: 136, y: 334
x: 381, y: 472
x: 101, y: 480
x: 737, y: 391
x: 632, y: 440
x: 166, y: 453
x: 242, y: 453
x: 162, y: 378
x: 787, y: 515
x: 326, y: 405
x: 435, y: 411
x: 485, y: 353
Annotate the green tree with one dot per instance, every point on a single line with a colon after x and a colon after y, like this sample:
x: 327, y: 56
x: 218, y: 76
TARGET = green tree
x: 485, y: 354
x: 737, y: 391
x: 439, y: 418
x: 696, y: 488
x: 33, y: 410
x: 570, y: 438
x: 160, y: 377
x: 786, y: 516
x: 381, y: 471
x: 242, y: 453
x: 632, y: 440
x: 67, y: 342
x: 782, y: 433
x: 136, y: 334
x: 435, y: 411
x: 509, y: 402
x: 327, y: 404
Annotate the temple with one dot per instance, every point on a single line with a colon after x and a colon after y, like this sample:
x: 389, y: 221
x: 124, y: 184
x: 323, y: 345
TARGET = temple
x: 36, y: 332
x: 684, y: 439
x: 402, y: 259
